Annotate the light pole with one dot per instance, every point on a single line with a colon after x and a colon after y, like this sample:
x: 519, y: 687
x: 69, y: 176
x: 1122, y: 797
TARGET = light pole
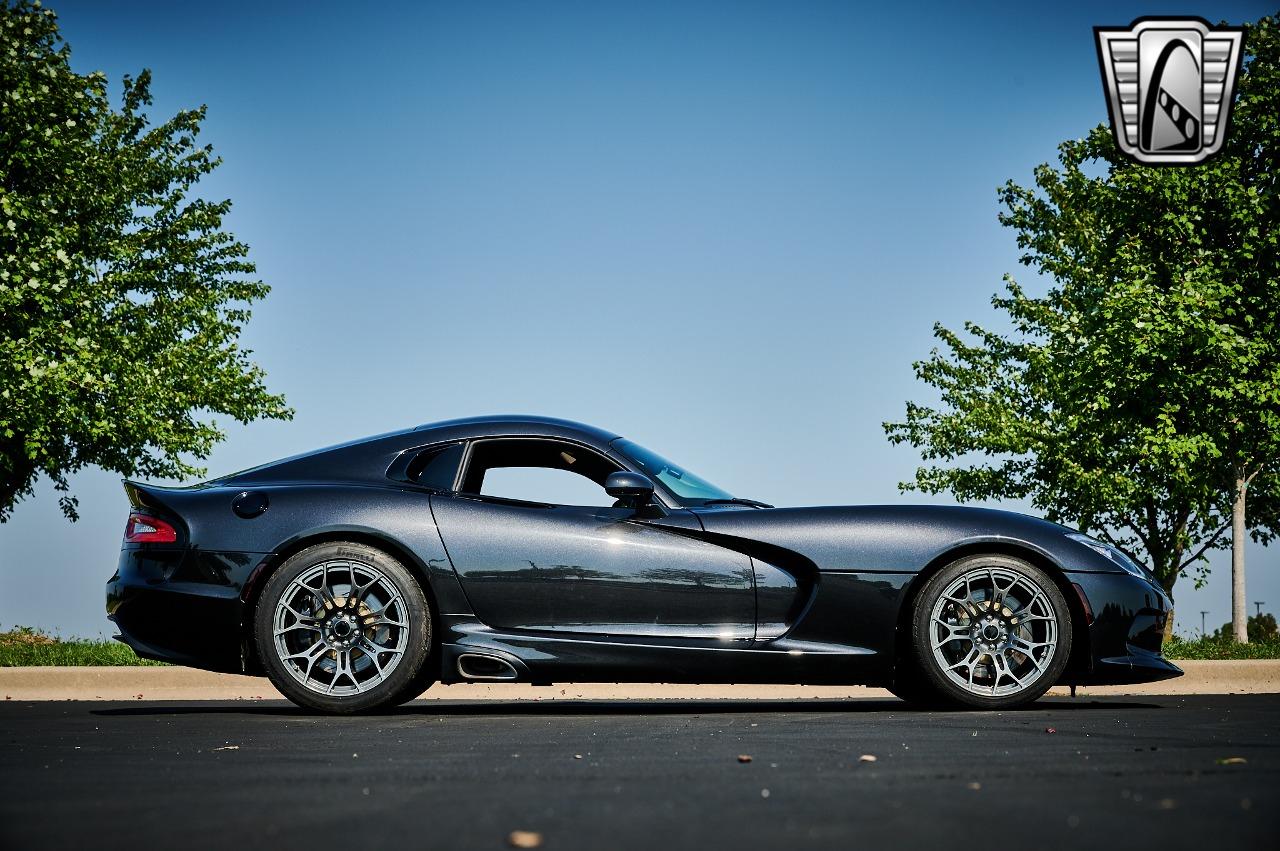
x: 1202, y: 614
x: 1258, y: 604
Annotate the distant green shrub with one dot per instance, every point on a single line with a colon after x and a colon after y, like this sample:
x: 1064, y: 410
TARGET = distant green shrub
x: 1260, y: 627
x: 24, y: 645
x: 1219, y: 647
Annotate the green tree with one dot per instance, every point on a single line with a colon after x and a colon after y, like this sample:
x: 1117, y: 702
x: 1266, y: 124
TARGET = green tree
x: 1248, y: 235
x: 121, y: 296
x: 1135, y: 396
x: 1262, y: 627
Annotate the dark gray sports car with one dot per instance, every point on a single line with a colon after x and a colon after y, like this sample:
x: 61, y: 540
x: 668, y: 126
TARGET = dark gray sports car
x: 356, y: 576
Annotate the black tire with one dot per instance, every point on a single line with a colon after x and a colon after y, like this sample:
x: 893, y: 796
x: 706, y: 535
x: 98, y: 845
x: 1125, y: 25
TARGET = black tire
x: 910, y: 686
x: 380, y: 691
x: 415, y: 687
x: 926, y: 680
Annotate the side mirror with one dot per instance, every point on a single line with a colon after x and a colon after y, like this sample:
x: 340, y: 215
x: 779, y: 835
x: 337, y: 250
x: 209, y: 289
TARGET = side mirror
x: 633, y: 490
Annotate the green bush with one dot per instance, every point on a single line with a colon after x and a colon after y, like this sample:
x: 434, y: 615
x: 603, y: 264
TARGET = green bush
x: 1218, y: 647
x: 23, y: 645
x: 1261, y: 627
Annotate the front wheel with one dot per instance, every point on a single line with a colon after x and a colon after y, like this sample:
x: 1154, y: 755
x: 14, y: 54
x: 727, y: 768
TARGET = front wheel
x: 343, y: 628
x: 989, y: 632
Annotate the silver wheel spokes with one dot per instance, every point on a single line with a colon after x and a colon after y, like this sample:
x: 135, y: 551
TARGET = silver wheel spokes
x: 341, y: 627
x: 993, y: 632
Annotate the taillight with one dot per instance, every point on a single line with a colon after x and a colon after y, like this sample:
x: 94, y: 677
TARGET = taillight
x: 145, y: 529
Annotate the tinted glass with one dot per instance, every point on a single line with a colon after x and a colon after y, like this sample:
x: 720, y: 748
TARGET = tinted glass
x: 436, y: 468
x: 688, y: 488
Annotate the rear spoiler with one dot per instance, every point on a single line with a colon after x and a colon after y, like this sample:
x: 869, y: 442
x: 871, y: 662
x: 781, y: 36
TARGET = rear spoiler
x: 144, y: 496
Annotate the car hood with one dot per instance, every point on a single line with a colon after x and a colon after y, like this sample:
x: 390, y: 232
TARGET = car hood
x: 893, y: 538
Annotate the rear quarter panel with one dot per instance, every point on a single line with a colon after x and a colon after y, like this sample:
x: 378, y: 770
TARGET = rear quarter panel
x: 400, y: 518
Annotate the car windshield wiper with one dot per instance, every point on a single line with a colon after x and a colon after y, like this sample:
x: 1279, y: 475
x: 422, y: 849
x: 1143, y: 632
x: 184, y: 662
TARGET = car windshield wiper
x: 735, y: 500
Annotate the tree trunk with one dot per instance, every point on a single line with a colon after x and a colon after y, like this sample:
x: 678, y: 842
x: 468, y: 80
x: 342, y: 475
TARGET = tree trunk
x: 1239, y: 606
x: 16, y: 471
x: 1168, y: 575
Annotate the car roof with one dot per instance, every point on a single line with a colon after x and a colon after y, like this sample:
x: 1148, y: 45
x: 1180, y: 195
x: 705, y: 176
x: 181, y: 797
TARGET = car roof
x: 367, y: 458
x: 517, y: 424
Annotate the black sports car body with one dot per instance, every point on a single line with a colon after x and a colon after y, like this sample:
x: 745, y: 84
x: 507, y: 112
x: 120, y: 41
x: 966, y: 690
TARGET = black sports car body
x: 356, y: 576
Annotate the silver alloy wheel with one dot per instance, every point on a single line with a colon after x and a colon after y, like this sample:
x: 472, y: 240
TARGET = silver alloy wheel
x: 341, y: 627
x: 993, y: 632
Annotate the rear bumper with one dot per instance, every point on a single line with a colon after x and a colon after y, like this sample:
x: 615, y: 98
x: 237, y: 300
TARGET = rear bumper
x: 182, y: 606
x: 1127, y: 628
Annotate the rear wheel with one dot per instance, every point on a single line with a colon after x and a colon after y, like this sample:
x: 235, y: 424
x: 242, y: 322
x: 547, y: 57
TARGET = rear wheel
x: 343, y: 628
x: 989, y: 632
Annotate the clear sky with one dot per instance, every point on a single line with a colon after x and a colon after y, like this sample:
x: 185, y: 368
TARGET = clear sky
x: 722, y: 229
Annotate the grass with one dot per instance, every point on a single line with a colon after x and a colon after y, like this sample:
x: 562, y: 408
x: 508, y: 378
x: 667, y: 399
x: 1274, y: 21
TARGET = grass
x: 1211, y: 647
x: 23, y: 645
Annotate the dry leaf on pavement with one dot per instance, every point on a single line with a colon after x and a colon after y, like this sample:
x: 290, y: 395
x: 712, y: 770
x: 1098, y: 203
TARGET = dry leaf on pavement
x: 524, y: 839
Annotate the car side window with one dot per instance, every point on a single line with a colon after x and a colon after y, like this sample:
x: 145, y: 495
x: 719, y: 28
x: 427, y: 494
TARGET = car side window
x: 543, y: 484
x: 436, y: 467
x: 538, y: 470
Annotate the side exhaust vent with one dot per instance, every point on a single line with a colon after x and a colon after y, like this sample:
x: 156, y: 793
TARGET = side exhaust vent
x: 475, y: 666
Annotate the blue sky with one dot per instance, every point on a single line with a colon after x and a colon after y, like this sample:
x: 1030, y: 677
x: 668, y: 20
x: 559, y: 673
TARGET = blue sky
x: 723, y: 229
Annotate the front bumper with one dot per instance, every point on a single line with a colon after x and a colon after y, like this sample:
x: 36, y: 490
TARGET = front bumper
x: 1137, y: 667
x: 1128, y: 617
x: 182, y: 606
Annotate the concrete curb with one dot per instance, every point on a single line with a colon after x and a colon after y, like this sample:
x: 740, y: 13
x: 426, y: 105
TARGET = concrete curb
x: 171, y: 683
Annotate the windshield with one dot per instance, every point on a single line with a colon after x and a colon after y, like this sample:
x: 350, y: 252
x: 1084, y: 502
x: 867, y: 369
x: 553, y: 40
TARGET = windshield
x: 688, y: 488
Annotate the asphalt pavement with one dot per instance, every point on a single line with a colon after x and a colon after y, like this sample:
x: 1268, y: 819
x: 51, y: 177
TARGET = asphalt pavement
x: 1199, y: 772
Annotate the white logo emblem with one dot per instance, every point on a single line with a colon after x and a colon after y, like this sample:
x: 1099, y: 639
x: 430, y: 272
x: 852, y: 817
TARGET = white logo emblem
x: 1169, y: 83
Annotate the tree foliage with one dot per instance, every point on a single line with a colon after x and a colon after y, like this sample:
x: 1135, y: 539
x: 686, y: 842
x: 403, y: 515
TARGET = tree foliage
x: 1261, y: 627
x: 121, y: 296
x: 1129, y: 398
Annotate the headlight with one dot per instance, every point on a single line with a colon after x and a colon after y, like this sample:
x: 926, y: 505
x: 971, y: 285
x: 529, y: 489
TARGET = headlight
x: 1121, y: 560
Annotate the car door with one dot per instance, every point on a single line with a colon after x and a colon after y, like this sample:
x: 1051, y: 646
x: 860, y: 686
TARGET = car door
x: 589, y: 569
